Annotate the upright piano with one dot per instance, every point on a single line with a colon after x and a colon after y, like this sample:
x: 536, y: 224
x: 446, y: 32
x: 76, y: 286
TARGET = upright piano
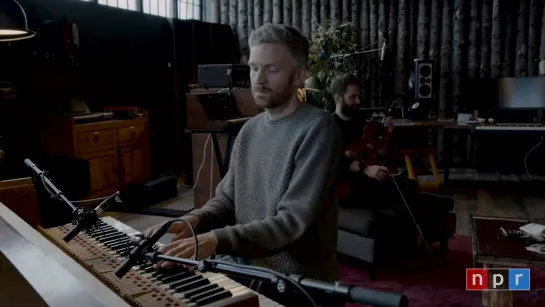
x: 37, y: 268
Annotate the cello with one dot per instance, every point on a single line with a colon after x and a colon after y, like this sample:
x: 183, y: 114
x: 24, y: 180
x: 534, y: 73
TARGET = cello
x: 374, y: 141
x: 367, y: 150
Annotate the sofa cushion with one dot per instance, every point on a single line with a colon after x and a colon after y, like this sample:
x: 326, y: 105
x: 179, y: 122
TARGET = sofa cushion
x: 356, y: 220
x: 361, y: 221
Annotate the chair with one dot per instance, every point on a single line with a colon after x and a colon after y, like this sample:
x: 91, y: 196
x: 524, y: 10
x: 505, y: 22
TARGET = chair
x: 412, y: 174
x: 377, y: 235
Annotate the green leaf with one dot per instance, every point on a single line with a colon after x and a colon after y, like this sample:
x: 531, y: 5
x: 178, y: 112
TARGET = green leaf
x: 332, y: 39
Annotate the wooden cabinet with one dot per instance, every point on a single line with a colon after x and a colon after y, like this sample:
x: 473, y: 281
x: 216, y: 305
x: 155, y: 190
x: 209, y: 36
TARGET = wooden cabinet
x: 117, y: 150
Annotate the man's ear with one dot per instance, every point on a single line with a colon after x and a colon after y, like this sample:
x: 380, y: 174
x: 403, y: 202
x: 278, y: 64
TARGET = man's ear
x: 337, y: 98
x: 300, y: 77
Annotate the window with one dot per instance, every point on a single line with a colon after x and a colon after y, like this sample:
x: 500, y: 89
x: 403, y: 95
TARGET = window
x: 157, y: 7
x: 122, y: 4
x: 189, y: 9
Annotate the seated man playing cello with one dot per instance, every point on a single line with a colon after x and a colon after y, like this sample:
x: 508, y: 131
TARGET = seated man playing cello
x: 364, y: 181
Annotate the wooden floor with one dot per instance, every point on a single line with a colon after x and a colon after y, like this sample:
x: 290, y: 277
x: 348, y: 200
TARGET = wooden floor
x: 505, y: 199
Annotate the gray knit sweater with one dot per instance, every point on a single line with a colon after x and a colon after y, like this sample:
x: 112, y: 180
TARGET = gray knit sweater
x: 277, y: 204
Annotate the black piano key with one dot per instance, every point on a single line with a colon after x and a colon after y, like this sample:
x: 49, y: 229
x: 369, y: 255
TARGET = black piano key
x: 192, y: 285
x: 204, y: 293
x: 213, y: 298
x: 201, y: 289
x: 107, y: 233
x: 109, y: 237
x: 100, y: 233
x: 162, y: 273
x: 175, y: 277
x: 106, y: 227
x: 185, y: 281
x: 116, y: 242
x: 147, y: 268
x: 119, y: 248
x: 114, y: 239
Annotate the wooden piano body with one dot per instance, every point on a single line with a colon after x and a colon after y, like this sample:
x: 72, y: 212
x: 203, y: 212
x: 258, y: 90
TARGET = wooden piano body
x: 38, y: 272
x: 34, y: 272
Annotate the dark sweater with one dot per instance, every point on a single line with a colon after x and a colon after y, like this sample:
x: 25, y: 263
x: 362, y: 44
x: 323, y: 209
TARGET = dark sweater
x: 351, y: 131
x: 278, y: 203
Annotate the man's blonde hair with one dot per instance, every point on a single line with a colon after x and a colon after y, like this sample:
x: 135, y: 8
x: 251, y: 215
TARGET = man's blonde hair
x: 286, y: 35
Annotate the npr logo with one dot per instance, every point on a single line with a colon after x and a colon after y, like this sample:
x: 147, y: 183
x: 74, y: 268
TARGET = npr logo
x: 498, y: 279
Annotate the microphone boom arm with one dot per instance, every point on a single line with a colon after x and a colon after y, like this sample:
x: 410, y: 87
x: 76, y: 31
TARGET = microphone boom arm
x: 347, y: 293
x: 84, y: 218
x: 51, y: 188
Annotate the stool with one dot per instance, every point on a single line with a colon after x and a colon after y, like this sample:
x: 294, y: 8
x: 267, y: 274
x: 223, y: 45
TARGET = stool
x: 430, y: 153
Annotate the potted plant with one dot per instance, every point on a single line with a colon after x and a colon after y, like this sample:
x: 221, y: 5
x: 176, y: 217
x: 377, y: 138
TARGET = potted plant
x: 331, y: 39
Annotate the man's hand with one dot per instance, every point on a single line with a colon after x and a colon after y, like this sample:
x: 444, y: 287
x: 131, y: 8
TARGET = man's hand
x: 377, y: 172
x: 180, y: 229
x: 354, y: 167
x: 185, y: 248
x: 388, y: 124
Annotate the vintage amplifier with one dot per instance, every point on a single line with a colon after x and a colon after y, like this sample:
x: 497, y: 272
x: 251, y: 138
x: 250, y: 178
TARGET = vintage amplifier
x: 224, y: 75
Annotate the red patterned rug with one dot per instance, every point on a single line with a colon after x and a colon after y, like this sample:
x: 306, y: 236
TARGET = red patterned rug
x: 443, y: 285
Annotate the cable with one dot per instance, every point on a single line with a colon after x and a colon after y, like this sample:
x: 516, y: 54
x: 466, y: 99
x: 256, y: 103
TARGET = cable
x: 193, y: 233
x: 89, y: 200
x: 42, y: 178
x: 211, y: 171
x: 203, y: 161
x: 528, y: 154
x: 269, y: 271
x: 414, y: 219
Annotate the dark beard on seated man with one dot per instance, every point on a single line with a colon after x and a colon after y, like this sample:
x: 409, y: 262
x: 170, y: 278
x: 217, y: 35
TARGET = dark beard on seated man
x: 349, y: 111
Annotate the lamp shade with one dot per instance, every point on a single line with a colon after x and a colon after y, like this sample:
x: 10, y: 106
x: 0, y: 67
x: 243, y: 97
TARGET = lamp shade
x: 13, y: 22
x: 312, y: 84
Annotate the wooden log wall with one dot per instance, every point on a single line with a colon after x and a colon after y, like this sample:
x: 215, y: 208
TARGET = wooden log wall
x: 465, y: 38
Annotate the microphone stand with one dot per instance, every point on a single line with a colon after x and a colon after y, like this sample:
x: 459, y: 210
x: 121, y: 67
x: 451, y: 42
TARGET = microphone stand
x: 382, y: 50
x: 84, y: 218
x: 146, y: 250
x: 346, y: 293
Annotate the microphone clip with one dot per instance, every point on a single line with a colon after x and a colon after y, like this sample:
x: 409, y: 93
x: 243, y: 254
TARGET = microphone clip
x: 86, y: 217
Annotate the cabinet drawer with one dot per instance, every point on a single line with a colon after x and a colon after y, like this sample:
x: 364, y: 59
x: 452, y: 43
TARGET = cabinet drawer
x: 131, y: 133
x: 95, y: 141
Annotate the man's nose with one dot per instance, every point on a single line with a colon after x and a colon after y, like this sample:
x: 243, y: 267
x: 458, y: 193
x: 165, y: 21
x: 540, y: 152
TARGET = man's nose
x: 260, y: 77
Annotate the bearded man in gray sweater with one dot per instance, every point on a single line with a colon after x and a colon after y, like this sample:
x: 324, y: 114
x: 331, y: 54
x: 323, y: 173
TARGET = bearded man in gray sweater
x: 277, y: 204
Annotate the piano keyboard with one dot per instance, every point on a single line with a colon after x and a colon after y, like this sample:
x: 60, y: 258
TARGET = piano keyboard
x: 102, y: 252
x: 511, y: 128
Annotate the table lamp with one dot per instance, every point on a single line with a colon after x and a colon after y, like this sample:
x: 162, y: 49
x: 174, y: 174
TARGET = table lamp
x: 13, y: 22
x: 312, y: 84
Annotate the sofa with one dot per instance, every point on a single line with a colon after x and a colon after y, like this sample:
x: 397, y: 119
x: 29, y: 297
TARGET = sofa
x: 375, y: 236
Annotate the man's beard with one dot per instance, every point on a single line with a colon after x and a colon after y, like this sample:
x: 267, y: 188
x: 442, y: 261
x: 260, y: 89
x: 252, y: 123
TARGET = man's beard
x: 275, y: 98
x: 349, y: 111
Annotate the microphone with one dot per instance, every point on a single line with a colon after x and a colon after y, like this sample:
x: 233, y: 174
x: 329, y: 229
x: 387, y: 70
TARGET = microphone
x: 138, y: 253
x: 49, y: 186
x: 85, y: 219
x: 383, y: 51
x: 33, y: 167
